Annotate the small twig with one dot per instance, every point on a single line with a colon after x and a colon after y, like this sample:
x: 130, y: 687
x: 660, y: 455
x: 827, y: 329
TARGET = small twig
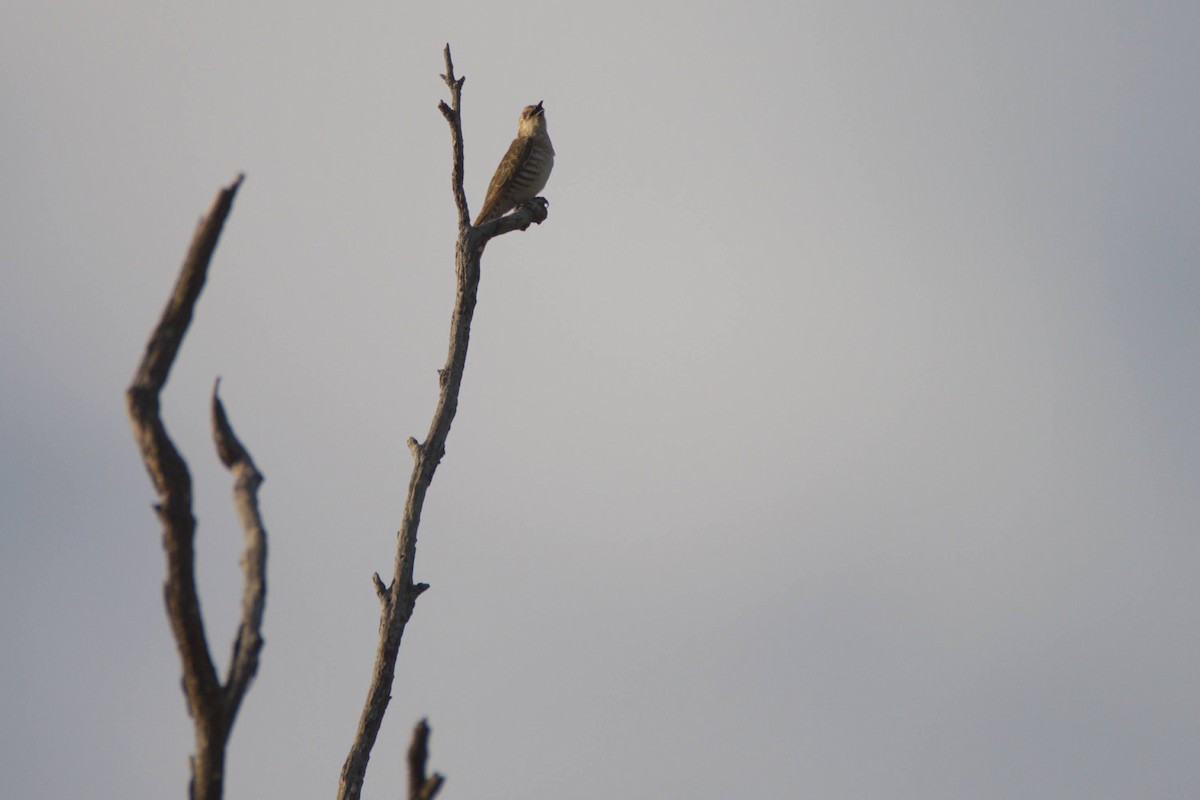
x: 421, y: 786
x: 453, y: 115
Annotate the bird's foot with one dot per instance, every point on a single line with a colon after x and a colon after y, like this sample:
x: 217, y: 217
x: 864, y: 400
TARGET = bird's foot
x: 538, y: 207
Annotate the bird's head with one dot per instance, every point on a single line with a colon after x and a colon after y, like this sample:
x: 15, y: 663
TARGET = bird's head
x: 533, y: 120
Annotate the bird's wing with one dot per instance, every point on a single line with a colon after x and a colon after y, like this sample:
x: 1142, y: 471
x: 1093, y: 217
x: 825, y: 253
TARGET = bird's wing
x: 518, y: 153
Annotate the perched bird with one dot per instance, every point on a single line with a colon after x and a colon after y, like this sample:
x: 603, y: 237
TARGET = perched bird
x: 525, y: 168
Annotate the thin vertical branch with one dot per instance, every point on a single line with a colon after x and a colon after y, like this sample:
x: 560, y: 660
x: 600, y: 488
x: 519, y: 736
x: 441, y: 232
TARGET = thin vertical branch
x: 212, y: 705
x: 453, y: 115
x: 399, y: 598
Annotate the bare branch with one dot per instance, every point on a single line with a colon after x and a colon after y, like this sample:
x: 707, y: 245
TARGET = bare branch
x: 167, y: 469
x: 243, y: 662
x: 168, y: 335
x: 421, y: 786
x: 453, y: 115
x: 211, y: 705
x: 531, y: 212
x: 402, y: 593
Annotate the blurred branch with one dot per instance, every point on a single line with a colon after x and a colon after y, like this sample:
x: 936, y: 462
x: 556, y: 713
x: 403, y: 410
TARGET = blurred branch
x: 243, y: 662
x: 211, y: 704
x: 421, y: 786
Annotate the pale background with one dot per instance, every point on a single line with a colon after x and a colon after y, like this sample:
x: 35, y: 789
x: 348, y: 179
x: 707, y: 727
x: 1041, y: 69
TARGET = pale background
x: 836, y: 437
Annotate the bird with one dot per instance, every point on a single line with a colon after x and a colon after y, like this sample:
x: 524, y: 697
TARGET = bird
x: 525, y: 168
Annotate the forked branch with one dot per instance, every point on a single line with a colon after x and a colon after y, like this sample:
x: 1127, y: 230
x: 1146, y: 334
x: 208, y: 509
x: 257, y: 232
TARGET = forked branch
x: 213, y: 705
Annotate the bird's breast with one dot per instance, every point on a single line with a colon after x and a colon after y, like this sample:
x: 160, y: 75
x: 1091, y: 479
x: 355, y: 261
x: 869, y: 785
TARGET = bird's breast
x: 535, y: 172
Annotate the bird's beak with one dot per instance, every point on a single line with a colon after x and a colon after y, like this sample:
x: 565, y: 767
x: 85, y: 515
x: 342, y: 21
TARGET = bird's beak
x: 537, y: 110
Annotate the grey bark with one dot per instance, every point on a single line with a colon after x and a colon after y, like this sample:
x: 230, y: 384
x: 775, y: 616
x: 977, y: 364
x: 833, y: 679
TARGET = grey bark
x: 399, y: 598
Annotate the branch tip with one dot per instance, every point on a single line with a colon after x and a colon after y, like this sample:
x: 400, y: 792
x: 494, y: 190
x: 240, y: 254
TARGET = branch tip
x: 229, y: 449
x: 421, y: 787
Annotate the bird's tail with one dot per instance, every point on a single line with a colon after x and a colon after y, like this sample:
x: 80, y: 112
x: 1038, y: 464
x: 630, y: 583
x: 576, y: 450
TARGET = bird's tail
x: 487, y: 214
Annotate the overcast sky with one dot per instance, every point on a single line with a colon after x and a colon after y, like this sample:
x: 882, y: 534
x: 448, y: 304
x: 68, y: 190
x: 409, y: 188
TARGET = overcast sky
x: 836, y: 437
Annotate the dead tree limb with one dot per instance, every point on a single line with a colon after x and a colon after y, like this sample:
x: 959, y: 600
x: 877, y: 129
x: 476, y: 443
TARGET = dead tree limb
x: 421, y: 786
x: 399, y: 598
x: 213, y: 705
x: 243, y: 660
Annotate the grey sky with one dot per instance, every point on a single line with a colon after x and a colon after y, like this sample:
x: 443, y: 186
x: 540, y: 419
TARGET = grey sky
x: 836, y: 436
